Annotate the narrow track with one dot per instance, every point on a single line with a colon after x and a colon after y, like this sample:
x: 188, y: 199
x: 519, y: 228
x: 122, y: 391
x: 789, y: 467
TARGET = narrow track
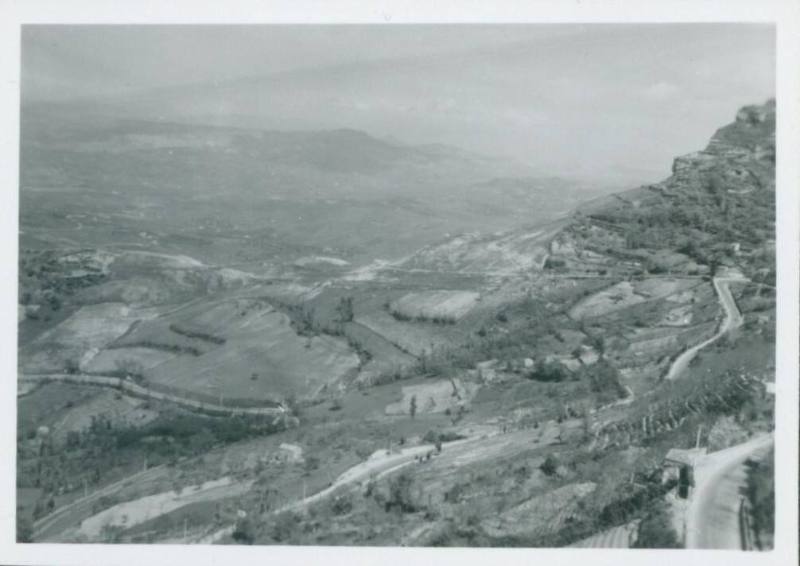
x: 733, y: 319
x: 132, y: 389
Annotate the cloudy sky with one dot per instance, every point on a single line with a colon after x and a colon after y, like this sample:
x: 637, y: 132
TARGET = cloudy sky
x: 611, y: 102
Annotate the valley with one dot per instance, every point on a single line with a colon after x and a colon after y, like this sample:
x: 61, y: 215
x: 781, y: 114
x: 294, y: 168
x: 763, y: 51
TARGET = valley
x: 339, y: 360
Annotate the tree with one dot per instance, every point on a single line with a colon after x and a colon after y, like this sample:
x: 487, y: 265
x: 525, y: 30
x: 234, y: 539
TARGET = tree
x: 412, y: 406
x: 243, y: 532
x: 550, y: 465
x: 548, y: 371
x: 760, y: 491
x: 345, y: 309
x: 129, y: 368
x: 655, y: 530
x: 400, y: 494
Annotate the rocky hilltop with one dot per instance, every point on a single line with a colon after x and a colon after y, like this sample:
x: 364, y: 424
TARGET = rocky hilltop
x: 716, y: 209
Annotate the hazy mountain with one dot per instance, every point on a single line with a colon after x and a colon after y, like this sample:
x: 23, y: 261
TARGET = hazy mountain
x: 341, y: 189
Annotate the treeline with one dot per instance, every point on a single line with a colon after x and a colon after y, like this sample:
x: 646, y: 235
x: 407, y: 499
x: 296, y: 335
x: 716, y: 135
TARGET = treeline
x: 197, y: 334
x: 164, y: 347
x: 435, y: 319
x: 106, y: 450
x: 760, y: 493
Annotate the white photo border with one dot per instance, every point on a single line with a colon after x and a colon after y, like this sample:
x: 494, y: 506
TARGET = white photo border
x: 785, y: 14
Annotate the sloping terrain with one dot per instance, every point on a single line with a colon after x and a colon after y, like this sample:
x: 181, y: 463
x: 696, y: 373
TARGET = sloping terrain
x: 536, y: 362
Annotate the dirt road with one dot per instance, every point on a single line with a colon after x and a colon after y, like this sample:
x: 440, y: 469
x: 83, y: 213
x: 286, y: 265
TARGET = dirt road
x: 712, y: 518
x: 733, y: 319
x: 72, y: 514
x: 128, y: 387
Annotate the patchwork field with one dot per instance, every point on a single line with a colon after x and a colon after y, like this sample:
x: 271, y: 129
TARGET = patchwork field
x: 435, y: 397
x: 86, y: 331
x: 435, y: 305
x: 244, y: 350
x: 495, y: 254
x: 132, y: 513
x: 118, y: 409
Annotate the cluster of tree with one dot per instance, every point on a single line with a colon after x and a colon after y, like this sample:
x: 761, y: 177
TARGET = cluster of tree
x: 44, y: 279
x: 90, y: 456
x: 760, y: 493
x: 548, y: 371
x: 603, y: 379
x: 344, y: 310
x: 196, y: 334
x: 656, y: 530
x: 163, y: 346
x: 400, y: 497
x: 632, y: 506
x: 435, y: 319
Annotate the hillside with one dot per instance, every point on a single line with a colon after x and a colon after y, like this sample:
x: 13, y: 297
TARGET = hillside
x: 253, y: 196
x: 514, y: 388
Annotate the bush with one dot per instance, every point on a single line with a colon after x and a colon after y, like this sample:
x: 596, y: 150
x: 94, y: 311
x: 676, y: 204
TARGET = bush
x: 341, y: 505
x: 243, y: 533
x: 548, y: 372
x: 655, y: 530
x: 760, y: 492
x: 285, y: 525
x: 550, y: 465
x: 400, y: 494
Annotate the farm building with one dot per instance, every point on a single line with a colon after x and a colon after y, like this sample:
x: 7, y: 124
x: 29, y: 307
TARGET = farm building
x: 678, y: 465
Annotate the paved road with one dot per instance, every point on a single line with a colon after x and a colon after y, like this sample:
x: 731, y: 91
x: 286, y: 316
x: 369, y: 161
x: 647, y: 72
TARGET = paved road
x: 46, y: 528
x: 712, y: 519
x: 733, y: 319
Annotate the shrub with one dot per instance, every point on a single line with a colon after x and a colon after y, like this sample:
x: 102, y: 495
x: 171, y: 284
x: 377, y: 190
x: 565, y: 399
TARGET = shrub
x: 547, y: 371
x: 341, y: 505
x: 760, y: 492
x: 285, y: 525
x: 400, y: 494
x: 243, y: 533
x: 550, y: 465
x: 655, y: 530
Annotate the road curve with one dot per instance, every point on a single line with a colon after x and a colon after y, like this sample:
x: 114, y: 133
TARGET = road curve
x: 733, y: 319
x: 64, y: 517
x: 712, y: 519
x: 376, y: 467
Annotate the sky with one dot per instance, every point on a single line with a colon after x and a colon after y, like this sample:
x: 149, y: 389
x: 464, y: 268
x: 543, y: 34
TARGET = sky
x: 614, y: 103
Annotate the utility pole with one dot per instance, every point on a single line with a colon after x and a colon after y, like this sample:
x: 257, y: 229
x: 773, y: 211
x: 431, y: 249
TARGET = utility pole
x: 697, y: 443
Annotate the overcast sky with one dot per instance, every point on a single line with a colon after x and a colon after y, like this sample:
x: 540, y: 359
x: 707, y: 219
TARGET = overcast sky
x: 613, y: 101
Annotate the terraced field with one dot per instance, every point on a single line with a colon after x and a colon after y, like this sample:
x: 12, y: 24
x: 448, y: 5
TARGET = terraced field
x: 618, y: 537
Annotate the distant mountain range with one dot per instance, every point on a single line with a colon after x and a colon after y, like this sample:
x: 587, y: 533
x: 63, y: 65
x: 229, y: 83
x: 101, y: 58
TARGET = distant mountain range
x: 333, y: 188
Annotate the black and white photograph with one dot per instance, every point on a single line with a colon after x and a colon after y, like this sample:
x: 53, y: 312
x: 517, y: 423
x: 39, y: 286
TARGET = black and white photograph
x: 508, y: 285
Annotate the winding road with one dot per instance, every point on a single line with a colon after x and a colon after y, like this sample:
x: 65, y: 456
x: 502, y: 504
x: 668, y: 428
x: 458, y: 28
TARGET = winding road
x: 49, y: 526
x: 733, y: 319
x: 132, y: 389
x: 712, y: 518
